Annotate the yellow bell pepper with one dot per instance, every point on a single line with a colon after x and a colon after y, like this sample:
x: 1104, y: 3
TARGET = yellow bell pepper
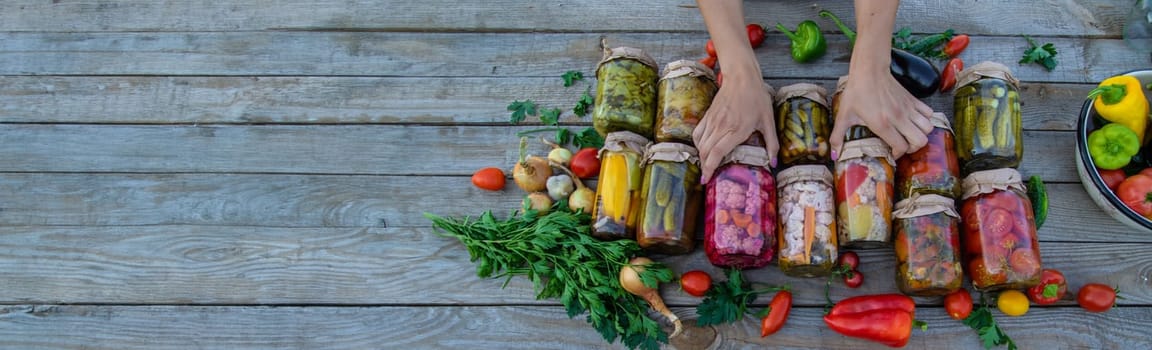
x: 1120, y: 100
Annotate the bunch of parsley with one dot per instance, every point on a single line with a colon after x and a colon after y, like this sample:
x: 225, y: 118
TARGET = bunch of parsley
x: 588, y: 137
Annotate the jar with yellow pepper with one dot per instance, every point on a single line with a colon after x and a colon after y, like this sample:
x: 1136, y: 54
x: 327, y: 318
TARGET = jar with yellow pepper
x: 619, y: 191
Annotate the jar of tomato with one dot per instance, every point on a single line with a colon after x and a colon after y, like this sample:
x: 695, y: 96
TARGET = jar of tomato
x: 928, y: 260
x: 934, y: 168
x: 619, y: 188
x: 803, y: 124
x: 625, y: 92
x: 988, y: 126
x: 1001, y: 250
x: 671, y: 199
x: 740, y: 211
x: 807, y: 221
x: 683, y: 95
x: 864, y: 175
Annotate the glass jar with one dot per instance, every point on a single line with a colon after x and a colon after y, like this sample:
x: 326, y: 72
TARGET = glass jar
x: 803, y: 124
x: 807, y: 222
x: 619, y: 188
x: 625, y: 92
x: 1001, y: 250
x: 864, y: 176
x: 927, y: 230
x: 740, y: 211
x: 934, y: 168
x: 988, y: 125
x: 671, y: 199
x: 683, y: 95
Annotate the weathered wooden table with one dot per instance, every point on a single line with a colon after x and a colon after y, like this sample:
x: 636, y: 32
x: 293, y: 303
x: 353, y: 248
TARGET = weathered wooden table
x: 192, y: 174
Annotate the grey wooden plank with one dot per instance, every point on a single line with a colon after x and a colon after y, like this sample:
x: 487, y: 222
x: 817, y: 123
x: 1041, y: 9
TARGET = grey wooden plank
x: 1058, y: 18
x: 357, y: 100
x: 488, y: 54
x: 504, y: 327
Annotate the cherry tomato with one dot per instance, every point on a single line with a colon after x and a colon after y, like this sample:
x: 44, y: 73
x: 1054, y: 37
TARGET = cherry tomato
x: 755, y: 34
x: 1024, y: 262
x: 584, y: 163
x: 710, y: 48
x: 949, y: 73
x: 1112, y: 178
x: 709, y: 61
x: 854, y: 280
x: 491, y: 179
x: 958, y: 304
x: 778, y: 311
x: 850, y: 259
x: 1096, y: 297
x: 696, y: 283
x: 957, y: 45
x: 1051, y: 289
x: 1136, y: 192
x: 1012, y: 303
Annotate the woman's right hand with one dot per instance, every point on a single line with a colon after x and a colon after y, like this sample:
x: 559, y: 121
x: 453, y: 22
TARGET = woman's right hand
x: 740, y: 107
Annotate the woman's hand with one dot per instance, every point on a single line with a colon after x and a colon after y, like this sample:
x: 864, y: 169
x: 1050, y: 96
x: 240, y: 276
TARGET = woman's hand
x: 877, y: 101
x: 740, y: 107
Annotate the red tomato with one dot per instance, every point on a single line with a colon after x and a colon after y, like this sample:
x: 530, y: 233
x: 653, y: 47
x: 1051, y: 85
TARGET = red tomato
x: 1096, y: 297
x: 755, y: 34
x: 1024, y: 262
x: 491, y: 179
x: 709, y: 61
x: 1051, y: 289
x: 854, y: 280
x: 585, y: 164
x: 696, y: 282
x: 850, y: 259
x: 1136, y: 192
x: 949, y: 73
x: 710, y: 48
x: 1112, y: 178
x: 958, y: 304
x: 957, y: 45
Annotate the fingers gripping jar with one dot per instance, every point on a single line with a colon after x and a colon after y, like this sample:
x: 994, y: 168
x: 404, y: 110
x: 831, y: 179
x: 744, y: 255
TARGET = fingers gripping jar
x: 803, y: 124
x: 619, y: 187
x: 988, y: 126
x: 807, y: 233
x: 740, y: 211
x: 864, y: 176
x: 684, y: 94
x: 1001, y: 250
x: 625, y: 92
x: 934, y: 168
x: 671, y: 199
x: 928, y: 261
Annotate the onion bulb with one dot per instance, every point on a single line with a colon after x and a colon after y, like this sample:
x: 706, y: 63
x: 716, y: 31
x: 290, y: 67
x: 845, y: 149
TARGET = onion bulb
x: 538, y: 201
x: 558, y: 153
x: 630, y: 280
x: 583, y: 198
x: 531, y: 173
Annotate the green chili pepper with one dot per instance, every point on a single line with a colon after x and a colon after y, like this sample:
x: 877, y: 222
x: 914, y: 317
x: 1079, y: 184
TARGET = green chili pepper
x: 807, y: 42
x: 1113, y: 146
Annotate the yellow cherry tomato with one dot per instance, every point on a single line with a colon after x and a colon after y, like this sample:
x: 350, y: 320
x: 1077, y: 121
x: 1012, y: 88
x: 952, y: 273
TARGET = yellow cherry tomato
x: 1012, y: 303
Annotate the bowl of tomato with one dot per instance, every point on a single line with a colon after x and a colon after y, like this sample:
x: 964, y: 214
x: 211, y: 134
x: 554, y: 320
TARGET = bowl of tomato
x: 1120, y: 191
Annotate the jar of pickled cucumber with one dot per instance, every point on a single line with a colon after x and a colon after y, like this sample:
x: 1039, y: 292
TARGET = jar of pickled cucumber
x: 934, y: 168
x: 625, y: 92
x: 740, y: 211
x: 619, y: 190
x: 988, y: 127
x: 683, y: 95
x: 864, y: 177
x: 671, y: 199
x: 928, y: 260
x: 1001, y: 250
x: 807, y: 233
x: 803, y: 124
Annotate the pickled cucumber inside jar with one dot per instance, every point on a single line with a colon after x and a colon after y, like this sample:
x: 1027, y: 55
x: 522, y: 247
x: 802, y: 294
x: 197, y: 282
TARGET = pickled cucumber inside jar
x: 684, y: 93
x: 989, y: 129
x: 934, y: 168
x: 1000, y: 243
x: 625, y: 92
x: 928, y: 258
x: 671, y: 199
x: 807, y: 236
x: 740, y: 211
x: 864, y: 180
x: 619, y: 189
x: 803, y: 124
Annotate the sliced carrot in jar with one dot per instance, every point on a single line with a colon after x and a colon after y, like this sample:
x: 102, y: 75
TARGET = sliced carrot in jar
x: 722, y: 216
x: 740, y: 219
x: 809, y: 232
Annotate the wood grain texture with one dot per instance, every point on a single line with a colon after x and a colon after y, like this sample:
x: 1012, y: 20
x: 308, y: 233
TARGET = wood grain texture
x: 503, y: 327
x: 1063, y: 17
x: 488, y: 54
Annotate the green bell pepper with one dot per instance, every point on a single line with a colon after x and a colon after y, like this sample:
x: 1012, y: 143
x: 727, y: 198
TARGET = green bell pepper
x: 1113, y: 146
x: 807, y: 42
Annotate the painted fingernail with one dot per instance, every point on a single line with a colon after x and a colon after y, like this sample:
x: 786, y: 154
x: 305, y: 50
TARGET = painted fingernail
x: 835, y: 155
x: 772, y: 162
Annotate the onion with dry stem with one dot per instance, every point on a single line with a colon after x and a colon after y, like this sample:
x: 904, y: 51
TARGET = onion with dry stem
x: 630, y: 280
x: 531, y: 173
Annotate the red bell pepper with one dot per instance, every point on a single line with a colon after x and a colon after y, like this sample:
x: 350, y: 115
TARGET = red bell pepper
x: 866, y: 303
x: 883, y: 318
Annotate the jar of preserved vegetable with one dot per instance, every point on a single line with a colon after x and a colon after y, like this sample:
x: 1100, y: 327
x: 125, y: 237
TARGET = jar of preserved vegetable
x: 1000, y: 246
x: 619, y: 188
x: 803, y: 124
x: 683, y: 95
x: 934, y: 168
x: 988, y: 126
x: 927, y: 230
x: 671, y: 199
x: 740, y: 211
x: 864, y: 177
x: 625, y: 92
x: 807, y: 221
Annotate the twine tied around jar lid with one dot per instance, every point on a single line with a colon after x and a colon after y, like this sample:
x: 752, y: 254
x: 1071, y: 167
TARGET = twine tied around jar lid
x: 804, y: 173
x: 987, y: 69
x: 813, y: 92
x: 676, y: 69
x: 624, y: 52
x: 618, y: 141
x: 940, y: 120
x: 671, y: 152
x: 926, y: 204
x: 867, y: 147
x: 987, y: 181
x: 747, y: 155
